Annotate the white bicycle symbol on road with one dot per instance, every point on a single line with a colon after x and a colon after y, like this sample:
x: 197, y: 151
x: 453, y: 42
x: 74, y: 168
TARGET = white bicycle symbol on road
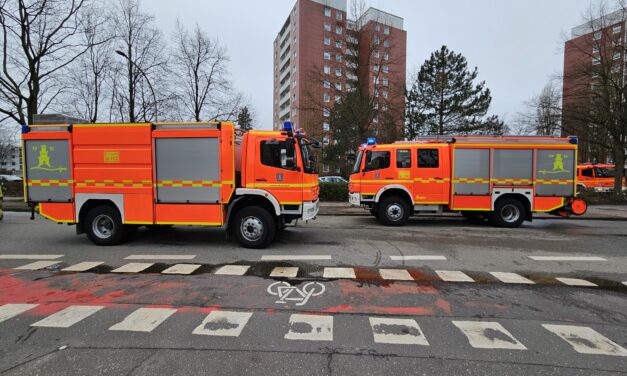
x: 287, y: 292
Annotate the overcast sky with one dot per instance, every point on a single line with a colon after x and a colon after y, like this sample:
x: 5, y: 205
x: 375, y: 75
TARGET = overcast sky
x: 517, y: 45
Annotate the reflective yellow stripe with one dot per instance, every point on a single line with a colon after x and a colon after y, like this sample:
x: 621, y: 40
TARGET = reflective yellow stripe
x: 554, y: 181
x: 281, y: 185
x: 471, y: 180
x: 431, y: 180
x: 113, y: 183
x: 512, y: 181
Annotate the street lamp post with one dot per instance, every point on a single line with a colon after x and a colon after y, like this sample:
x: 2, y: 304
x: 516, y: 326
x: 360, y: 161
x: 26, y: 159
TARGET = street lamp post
x: 154, y: 97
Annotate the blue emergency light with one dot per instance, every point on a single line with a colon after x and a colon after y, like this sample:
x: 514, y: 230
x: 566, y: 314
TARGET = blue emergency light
x: 287, y: 126
x: 573, y: 140
x: 371, y: 141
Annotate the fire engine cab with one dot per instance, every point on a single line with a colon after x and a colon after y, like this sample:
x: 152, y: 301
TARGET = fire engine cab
x: 109, y: 179
x: 597, y: 177
x: 503, y: 179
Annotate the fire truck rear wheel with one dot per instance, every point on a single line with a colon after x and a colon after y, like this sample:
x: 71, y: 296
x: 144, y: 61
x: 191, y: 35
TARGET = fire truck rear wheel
x: 103, y: 226
x: 254, y: 227
x: 393, y: 211
x: 508, y: 212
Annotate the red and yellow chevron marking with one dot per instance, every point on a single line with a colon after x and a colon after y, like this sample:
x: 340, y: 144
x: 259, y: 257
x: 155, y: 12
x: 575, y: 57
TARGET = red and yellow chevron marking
x: 114, y: 183
x: 49, y: 183
x: 471, y: 180
x: 432, y: 180
x: 512, y: 181
x: 190, y: 183
x: 554, y: 181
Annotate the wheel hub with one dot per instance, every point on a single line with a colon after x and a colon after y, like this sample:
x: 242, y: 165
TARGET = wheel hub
x: 251, y: 228
x: 510, y: 213
x: 394, y: 212
x: 103, y: 226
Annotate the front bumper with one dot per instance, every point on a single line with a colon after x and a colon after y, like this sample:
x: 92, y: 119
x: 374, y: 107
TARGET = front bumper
x: 310, y: 209
x: 354, y: 199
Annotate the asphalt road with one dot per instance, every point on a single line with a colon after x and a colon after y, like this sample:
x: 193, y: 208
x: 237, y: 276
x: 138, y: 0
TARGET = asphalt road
x: 339, y: 295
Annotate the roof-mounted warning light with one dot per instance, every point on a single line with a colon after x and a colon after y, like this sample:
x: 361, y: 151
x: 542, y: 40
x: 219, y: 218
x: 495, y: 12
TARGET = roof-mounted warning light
x: 371, y: 141
x: 573, y: 140
x: 287, y: 127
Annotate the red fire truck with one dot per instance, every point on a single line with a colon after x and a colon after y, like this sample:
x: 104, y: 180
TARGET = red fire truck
x: 108, y: 179
x: 504, y: 179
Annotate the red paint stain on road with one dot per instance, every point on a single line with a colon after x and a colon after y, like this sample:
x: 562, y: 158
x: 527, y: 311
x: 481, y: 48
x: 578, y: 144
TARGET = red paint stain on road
x: 344, y: 308
x: 394, y: 288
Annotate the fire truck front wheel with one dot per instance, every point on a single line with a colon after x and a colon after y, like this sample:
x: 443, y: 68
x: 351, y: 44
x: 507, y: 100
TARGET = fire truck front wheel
x: 393, y: 211
x: 254, y: 227
x: 103, y: 226
x: 508, y: 212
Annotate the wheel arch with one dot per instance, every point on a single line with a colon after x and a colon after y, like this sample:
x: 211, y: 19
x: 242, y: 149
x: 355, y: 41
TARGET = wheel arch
x: 246, y: 198
x: 86, y: 202
x: 524, y: 200
x: 394, y: 190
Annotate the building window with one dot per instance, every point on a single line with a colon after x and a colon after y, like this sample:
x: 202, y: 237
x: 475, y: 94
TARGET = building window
x: 327, y: 26
x: 338, y: 58
x: 327, y: 56
x: 385, y: 94
x: 596, y: 61
x: 325, y: 140
x: 326, y: 98
x: 338, y: 44
x: 428, y: 158
x: 598, y: 35
x: 375, y: 80
x: 375, y: 120
x: 376, y: 93
x: 617, y: 29
x: 338, y: 16
x: 327, y: 69
x: 386, y: 31
x: 327, y: 41
x: 616, y: 55
x: 376, y: 54
x: 294, y: 83
x: 326, y: 112
x: 338, y: 98
x: 326, y: 126
x: 386, y: 69
x: 338, y: 72
x: 385, y: 82
x: 338, y: 86
x: 327, y: 84
x: 377, y: 27
x: 376, y: 41
x: 325, y: 168
x: 386, y: 56
x: 327, y: 11
x: 386, y: 43
x: 376, y: 67
x: 338, y: 30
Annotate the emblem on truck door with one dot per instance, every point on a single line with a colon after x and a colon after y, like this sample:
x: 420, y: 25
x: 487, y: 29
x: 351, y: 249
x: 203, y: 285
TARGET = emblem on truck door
x: 279, y: 177
x: 43, y: 159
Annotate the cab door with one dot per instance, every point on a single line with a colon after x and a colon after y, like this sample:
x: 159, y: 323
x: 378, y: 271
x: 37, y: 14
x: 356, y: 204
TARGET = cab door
x: 431, y: 175
x: 376, y: 171
x: 279, y: 170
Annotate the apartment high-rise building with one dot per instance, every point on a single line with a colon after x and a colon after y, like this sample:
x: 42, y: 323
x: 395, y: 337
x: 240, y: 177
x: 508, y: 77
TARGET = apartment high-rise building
x: 312, y: 68
x: 593, y: 56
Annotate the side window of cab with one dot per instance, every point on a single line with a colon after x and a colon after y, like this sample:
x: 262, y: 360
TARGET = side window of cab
x: 377, y: 160
x: 587, y: 172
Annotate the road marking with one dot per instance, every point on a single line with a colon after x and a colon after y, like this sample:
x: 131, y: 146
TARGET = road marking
x: 294, y: 257
x: 284, y: 271
x: 287, y: 292
x: 397, y: 331
x: 160, y: 257
x: 310, y: 328
x: 37, y: 265
x: 144, y: 319
x: 488, y: 335
x: 223, y: 323
x: 625, y: 283
x: 586, y: 340
x: 511, y: 278
x: 181, y: 269
x: 348, y: 273
x: 567, y: 258
x: 30, y: 257
x: 232, y: 270
x: 68, y: 316
x: 453, y: 276
x: 418, y: 257
x: 82, y: 266
x: 133, y: 267
x: 395, y: 274
x: 8, y: 311
x: 576, y: 282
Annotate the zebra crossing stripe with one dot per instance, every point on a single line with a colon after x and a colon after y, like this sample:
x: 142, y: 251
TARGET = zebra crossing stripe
x: 397, y: 331
x: 284, y: 271
x: 144, y: 319
x: 223, y: 323
x: 82, y: 266
x: 181, y: 269
x: 576, y: 282
x: 511, y: 278
x: 8, y: 311
x: 586, y: 340
x: 333, y: 273
x: 488, y: 335
x: 29, y: 257
x: 68, y: 316
x: 418, y: 258
x: 395, y: 274
x: 133, y: 267
x: 232, y: 270
x: 453, y: 276
x: 310, y: 328
x: 37, y: 265
x: 567, y: 258
x: 160, y: 257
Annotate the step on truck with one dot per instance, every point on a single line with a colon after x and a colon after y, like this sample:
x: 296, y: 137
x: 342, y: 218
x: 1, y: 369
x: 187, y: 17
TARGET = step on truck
x: 502, y: 179
x: 109, y: 179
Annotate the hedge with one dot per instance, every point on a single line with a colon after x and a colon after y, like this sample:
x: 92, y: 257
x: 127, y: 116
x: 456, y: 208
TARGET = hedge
x: 333, y: 192
x: 13, y: 188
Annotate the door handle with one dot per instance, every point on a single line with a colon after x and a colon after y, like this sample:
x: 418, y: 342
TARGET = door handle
x: 261, y: 179
x: 388, y: 178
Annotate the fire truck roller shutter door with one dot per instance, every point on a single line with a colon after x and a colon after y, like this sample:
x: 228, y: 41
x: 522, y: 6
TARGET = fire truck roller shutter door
x: 472, y: 172
x: 555, y: 172
x: 512, y: 167
x: 47, y: 169
x: 188, y: 170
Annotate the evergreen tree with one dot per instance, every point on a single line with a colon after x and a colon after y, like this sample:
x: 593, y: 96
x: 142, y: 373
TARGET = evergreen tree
x: 445, y: 99
x: 244, y: 119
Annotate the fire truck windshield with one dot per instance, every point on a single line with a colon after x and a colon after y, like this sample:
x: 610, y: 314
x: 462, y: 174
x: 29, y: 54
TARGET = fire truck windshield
x: 357, y: 162
x: 604, y: 172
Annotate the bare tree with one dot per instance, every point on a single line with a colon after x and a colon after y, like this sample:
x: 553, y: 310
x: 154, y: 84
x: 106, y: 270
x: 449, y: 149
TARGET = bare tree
x: 595, y: 87
x: 141, y: 44
x: 7, y: 142
x: 543, y: 113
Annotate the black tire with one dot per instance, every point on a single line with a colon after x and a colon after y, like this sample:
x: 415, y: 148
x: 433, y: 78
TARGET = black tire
x: 374, y: 213
x: 508, y: 213
x: 103, y: 226
x: 254, y: 227
x: 393, y: 211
